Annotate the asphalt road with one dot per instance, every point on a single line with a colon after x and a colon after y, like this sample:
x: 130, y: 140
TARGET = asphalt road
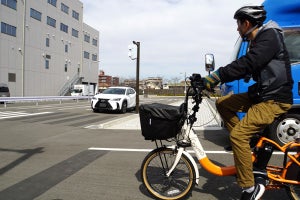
x: 45, y: 154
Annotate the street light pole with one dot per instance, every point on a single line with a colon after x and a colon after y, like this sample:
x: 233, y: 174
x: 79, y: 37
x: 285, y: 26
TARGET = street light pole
x: 89, y: 81
x: 137, y: 98
x: 184, y: 82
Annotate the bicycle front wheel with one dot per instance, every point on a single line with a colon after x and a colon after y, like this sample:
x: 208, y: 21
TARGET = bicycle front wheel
x: 155, y: 167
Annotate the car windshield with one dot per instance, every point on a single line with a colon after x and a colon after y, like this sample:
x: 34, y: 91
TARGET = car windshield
x: 76, y: 91
x: 292, y: 41
x: 114, y: 91
x: 4, y: 89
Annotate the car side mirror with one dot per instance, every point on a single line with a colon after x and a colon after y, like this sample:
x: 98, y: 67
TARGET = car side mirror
x: 209, y: 62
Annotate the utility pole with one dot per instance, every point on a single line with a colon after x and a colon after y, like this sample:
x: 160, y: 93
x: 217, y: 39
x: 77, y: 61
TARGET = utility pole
x: 137, y: 98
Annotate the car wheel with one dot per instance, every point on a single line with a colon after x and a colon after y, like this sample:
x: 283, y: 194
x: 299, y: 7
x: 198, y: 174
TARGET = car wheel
x: 133, y: 108
x: 285, y: 128
x: 94, y: 109
x: 124, y: 107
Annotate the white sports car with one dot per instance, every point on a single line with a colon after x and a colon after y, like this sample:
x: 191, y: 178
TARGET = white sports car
x: 115, y: 98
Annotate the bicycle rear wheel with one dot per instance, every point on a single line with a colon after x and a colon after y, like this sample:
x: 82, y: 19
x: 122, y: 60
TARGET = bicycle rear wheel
x: 293, y: 173
x: 154, y: 168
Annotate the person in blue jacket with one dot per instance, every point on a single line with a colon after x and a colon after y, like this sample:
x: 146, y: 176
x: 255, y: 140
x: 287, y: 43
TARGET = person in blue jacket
x: 267, y: 62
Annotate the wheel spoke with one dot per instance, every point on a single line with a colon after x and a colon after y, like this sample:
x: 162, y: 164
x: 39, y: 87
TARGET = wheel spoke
x: 177, y: 185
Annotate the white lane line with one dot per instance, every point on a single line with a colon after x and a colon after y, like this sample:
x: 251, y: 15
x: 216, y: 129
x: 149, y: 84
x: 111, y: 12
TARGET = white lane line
x: 70, y: 108
x: 148, y: 150
x: 10, y: 113
x: 7, y: 115
x: 118, y: 149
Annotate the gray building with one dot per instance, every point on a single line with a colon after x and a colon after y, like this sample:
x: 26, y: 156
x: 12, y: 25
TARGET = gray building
x: 45, y: 48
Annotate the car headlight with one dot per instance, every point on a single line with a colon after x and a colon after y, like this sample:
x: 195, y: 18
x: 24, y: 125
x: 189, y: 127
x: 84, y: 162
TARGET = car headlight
x: 94, y: 98
x: 116, y: 99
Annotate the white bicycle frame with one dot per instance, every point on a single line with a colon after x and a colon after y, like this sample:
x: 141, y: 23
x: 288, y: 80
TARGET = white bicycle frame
x: 190, y: 135
x: 199, y: 151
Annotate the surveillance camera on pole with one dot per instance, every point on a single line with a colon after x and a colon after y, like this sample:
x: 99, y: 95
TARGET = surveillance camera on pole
x: 132, y: 54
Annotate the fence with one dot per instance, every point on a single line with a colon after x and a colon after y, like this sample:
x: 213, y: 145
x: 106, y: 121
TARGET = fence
x: 38, y: 99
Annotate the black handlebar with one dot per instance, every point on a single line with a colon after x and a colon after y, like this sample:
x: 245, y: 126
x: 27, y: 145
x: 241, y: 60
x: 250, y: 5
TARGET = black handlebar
x: 197, y: 86
x: 196, y: 80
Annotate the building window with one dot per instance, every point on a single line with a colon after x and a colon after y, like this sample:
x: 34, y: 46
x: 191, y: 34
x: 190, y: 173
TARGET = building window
x: 87, y: 38
x: 63, y: 27
x: 46, y: 64
x: 52, y: 2
x: 74, y: 32
x: 64, y: 8
x: 86, y: 55
x: 47, y: 42
x: 94, y: 57
x: 51, y: 21
x: 66, y: 67
x: 95, y: 42
x: 8, y: 29
x: 75, y: 15
x: 35, y: 14
x: 11, y: 77
x: 66, y: 48
x: 10, y: 3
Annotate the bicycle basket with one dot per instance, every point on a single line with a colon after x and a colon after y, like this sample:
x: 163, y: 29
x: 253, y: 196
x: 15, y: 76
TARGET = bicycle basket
x: 161, y: 121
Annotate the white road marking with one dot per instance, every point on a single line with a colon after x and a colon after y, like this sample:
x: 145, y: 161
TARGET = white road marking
x: 148, y: 150
x: 8, y: 114
x: 70, y: 108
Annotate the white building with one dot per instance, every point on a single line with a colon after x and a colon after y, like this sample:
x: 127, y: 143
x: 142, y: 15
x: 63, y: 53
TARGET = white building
x: 45, y: 47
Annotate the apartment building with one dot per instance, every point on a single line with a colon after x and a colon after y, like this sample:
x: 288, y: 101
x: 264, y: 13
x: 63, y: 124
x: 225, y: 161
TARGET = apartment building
x: 106, y: 81
x: 45, y: 47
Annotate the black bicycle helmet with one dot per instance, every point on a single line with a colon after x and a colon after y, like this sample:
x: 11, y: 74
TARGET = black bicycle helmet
x: 255, y: 14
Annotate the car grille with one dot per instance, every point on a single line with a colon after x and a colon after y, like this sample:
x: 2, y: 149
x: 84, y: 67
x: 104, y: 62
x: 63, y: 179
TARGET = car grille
x: 103, y: 104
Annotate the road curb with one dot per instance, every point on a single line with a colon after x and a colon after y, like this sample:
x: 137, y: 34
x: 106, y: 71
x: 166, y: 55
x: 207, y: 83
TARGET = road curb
x: 132, y: 122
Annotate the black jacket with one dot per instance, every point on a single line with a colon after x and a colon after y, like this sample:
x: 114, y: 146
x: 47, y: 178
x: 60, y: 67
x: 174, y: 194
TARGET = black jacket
x: 267, y: 61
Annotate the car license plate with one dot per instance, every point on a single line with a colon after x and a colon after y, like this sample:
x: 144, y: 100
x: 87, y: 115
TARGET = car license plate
x: 102, y: 105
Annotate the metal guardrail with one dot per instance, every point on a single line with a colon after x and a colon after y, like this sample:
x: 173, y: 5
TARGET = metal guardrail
x: 38, y: 99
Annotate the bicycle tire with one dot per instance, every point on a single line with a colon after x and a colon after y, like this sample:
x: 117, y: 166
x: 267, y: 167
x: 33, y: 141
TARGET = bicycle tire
x: 153, y: 171
x: 293, y: 173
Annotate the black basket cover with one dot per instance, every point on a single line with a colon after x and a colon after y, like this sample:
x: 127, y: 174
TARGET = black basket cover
x: 160, y: 121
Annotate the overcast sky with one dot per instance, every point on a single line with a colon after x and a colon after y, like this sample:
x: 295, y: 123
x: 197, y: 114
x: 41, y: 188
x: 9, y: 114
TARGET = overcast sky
x: 174, y: 34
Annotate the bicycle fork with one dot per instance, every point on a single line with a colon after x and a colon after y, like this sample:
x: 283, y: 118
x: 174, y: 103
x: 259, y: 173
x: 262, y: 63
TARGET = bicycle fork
x: 189, y: 133
x: 180, y: 151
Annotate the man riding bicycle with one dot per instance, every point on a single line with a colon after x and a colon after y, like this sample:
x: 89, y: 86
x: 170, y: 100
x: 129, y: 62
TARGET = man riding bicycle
x: 267, y: 62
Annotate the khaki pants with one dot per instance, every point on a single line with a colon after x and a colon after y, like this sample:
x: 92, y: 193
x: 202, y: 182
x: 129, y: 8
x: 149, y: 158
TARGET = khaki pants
x: 257, y: 117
